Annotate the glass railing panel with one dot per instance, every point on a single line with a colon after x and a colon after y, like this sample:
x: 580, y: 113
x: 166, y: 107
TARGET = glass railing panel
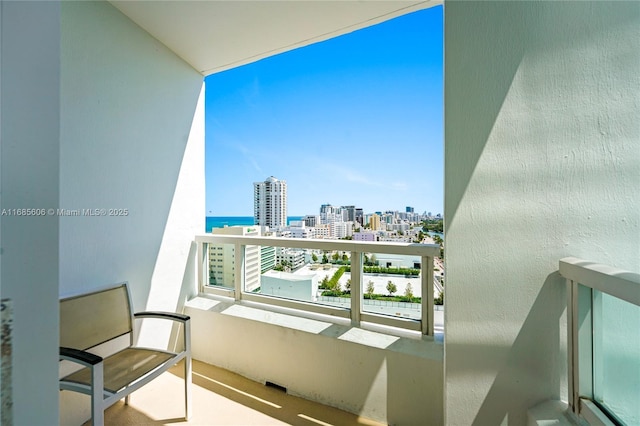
x: 328, y: 276
x: 392, y: 285
x: 297, y: 274
x: 219, y: 265
x: 334, y: 277
x: 616, y: 357
x: 254, y: 261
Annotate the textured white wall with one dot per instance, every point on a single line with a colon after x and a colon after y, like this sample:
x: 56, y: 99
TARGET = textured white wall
x: 131, y: 137
x: 542, y: 161
x: 29, y: 245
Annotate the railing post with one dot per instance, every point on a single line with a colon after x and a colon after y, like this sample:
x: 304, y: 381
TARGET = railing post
x: 426, y: 274
x: 594, y: 339
x: 200, y: 263
x: 356, y: 287
x: 572, y: 350
x: 239, y: 270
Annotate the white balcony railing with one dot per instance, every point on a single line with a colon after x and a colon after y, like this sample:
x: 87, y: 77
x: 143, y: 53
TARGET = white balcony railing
x: 355, y: 311
x: 603, y: 321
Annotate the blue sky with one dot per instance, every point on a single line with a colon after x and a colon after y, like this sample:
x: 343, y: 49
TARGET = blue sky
x: 355, y: 120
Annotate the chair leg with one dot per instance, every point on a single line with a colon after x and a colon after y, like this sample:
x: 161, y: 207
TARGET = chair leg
x: 97, y: 395
x: 187, y: 387
x: 127, y: 399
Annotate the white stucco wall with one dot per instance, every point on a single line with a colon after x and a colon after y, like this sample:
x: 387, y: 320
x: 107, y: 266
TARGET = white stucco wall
x: 542, y: 161
x: 131, y: 137
x: 394, y: 380
x: 131, y: 134
x: 30, y: 36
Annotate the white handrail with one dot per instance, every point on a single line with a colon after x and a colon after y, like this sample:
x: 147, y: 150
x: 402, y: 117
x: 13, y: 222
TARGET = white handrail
x: 341, y: 245
x: 624, y: 285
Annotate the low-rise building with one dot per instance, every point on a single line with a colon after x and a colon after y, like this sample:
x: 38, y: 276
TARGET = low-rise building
x: 322, y: 231
x: 364, y: 236
x: 341, y: 229
x: 291, y: 286
x: 293, y: 257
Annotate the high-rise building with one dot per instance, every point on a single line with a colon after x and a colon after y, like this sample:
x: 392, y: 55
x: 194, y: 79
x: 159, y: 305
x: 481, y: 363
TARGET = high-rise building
x: 270, y: 203
x: 222, y: 259
x: 327, y: 209
x: 409, y: 209
x: 351, y: 213
x: 311, y: 220
x: 267, y: 258
x: 374, y: 222
x: 329, y: 214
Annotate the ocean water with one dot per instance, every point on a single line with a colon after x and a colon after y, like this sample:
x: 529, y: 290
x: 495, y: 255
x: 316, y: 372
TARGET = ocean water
x: 222, y: 221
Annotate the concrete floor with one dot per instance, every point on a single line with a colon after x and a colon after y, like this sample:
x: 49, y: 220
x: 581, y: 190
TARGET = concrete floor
x: 222, y: 398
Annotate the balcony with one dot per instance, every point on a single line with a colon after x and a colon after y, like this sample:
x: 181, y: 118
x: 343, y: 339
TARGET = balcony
x: 310, y: 347
x: 223, y: 398
x: 102, y: 107
x: 288, y: 346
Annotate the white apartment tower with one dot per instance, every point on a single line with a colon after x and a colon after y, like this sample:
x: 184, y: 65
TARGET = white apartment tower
x: 222, y: 259
x: 270, y: 203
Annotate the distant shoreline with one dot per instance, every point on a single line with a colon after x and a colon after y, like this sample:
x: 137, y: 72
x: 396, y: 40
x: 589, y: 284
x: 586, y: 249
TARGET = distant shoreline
x: 222, y: 221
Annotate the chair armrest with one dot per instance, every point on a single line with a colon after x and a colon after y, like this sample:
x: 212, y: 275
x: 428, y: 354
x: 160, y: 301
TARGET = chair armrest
x: 79, y: 356
x: 166, y: 315
x: 184, y: 319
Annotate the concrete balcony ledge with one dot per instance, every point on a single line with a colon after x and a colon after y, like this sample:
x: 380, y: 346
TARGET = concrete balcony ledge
x: 373, y: 335
x: 550, y: 413
x: 392, y: 377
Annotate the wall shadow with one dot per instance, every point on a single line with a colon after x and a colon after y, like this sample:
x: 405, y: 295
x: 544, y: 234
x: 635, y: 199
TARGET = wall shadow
x: 541, y: 338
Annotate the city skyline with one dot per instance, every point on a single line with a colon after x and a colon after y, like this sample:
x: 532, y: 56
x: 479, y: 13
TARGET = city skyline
x: 353, y: 120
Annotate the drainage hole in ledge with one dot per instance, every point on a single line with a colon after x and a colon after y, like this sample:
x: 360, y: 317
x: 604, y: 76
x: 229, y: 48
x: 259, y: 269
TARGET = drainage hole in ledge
x: 275, y: 386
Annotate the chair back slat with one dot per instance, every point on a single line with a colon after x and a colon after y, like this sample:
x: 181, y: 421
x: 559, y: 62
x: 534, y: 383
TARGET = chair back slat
x: 94, y: 318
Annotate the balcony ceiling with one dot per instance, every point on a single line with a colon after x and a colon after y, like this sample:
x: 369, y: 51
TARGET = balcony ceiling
x: 214, y: 36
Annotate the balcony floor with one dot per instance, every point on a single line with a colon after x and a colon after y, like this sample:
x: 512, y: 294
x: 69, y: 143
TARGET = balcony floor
x: 221, y: 397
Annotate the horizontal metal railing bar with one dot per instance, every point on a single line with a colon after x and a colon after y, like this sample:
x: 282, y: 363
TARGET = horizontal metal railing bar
x: 334, y: 311
x: 409, y: 324
x: 340, y: 245
x: 622, y: 284
x: 219, y: 290
x: 593, y: 415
